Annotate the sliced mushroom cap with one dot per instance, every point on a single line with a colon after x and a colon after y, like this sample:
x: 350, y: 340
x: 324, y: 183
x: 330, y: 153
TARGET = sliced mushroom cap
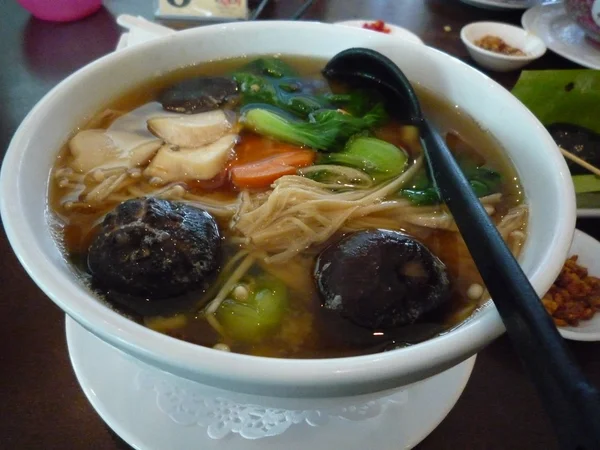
x: 105, y: 149
x: 204, y: 163
x: 136, y: 121
x: 194, y: 130
x: 198, y: 94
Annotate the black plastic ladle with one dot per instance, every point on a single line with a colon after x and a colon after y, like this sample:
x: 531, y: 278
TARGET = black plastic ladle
x: 572, y: 403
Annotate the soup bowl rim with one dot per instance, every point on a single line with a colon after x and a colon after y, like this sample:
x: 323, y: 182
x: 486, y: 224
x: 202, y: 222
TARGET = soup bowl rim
x: 279, y: 377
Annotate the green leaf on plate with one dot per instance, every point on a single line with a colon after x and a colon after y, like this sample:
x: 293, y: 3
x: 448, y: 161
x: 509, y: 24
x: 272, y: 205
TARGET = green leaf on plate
x: 566, y: 96
x: 586, y: 183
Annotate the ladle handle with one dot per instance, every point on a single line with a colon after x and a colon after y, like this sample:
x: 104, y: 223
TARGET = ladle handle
x: 572, y: 403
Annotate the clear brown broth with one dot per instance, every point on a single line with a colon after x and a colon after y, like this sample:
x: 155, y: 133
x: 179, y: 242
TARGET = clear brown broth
x: 308, y: 331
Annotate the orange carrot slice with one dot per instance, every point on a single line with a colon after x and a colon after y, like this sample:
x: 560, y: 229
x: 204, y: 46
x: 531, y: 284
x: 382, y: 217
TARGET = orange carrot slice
x: 263, y: 173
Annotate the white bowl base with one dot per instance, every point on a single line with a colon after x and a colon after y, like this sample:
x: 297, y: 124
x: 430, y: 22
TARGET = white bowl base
x: 151, y: 409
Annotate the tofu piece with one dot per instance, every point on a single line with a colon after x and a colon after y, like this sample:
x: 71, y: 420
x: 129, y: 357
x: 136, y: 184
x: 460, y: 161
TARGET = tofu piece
x: 193, y: 131
x: 107, y: 149
x: 185, y: 164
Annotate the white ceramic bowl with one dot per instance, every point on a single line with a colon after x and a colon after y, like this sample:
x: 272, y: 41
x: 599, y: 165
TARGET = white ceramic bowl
x: 530, y: 44
x: 24, y: 180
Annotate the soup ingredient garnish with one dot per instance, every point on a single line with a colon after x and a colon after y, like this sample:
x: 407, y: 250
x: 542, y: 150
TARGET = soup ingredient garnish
x: 263, y: 173
x: 337, y: 176
x: 106, y: 149
x: 300, y: 213
x: 155, y: 249
x: 574, y: 296
x: 475, y: 291
x: 270, y: 81
x: 164, y: 324
x: 326, y: 130
x: 222, y: 347
x: 378, y: 25
x: 380, y: 159
x: 287, y: 95
x: 498, y: 45
x: 357, y: 102
x: 271, y: 67
x: 483, y: 181
x: 193, y: 130
x: 381, y: 279
x: 183, y: 164
x: 198, y: 94
x: 298, y: 98
x: 259, y: 310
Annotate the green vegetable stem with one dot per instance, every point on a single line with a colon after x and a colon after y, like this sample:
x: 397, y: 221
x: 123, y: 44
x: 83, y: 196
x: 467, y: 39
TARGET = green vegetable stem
x: 326, y: 130
x: 255, y: 308
x: 379, y: 159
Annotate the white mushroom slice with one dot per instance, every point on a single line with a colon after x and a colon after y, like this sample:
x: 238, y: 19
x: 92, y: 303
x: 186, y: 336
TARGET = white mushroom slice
x: 136, y: 121
x: 204, y: 163
x: 106, y: 149
x: 194, y: 130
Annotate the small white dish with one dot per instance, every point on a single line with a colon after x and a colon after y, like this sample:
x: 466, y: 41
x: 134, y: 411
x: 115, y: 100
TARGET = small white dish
x: 395, y: 30
x: 530, y: 44
x: 500, y: 4
x: 588, y: 250
x: 561, y: 34
x: 154, y: 410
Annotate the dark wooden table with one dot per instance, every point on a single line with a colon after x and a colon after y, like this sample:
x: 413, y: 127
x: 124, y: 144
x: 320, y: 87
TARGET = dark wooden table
x: 42, y: 406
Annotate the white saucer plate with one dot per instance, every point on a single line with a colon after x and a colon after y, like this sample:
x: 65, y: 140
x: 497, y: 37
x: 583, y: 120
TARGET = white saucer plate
x: 395, y: 30
x: 562, y: 35
x: 154, y: 410
x: 500, y: 4
x: 588, y: 250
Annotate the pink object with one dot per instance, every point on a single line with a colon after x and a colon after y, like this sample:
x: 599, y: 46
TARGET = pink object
x: 61, y: 10
x: 587, y: 15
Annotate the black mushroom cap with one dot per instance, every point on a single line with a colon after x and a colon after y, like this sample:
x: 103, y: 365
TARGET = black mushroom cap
x: 199, y: 94
x: 155, y: 249
x: 381, y: 279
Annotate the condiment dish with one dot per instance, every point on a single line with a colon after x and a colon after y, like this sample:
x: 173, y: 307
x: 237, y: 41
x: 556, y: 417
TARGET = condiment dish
x: 516, y: 37
x: 588, y: 251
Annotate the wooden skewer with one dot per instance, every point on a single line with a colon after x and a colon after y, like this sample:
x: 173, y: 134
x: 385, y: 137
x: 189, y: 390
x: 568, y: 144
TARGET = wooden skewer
x: 577, y: 160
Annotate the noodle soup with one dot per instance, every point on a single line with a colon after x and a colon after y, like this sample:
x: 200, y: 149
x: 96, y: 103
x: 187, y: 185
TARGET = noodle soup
x: 251, y: 206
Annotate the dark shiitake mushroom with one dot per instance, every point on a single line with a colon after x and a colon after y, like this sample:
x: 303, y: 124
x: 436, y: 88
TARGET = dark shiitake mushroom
x: 198, y: 94
x: 380, y: 279
x: 153, y: 250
